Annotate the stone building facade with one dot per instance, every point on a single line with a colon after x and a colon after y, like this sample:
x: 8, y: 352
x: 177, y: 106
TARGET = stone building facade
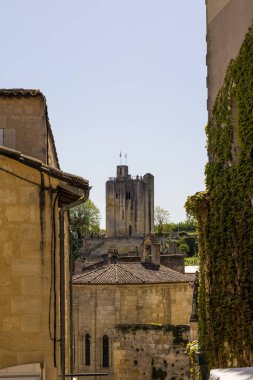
x: 224, y: 210
x: 25, y: 126
x: 227, y: 23
x: 129, y: 204
x: 35, y: 254
x: 131, y: 320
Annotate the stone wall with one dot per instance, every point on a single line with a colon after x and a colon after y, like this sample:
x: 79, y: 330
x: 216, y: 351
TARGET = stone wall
x: 100, y: 246
x: 227, y: 23
x: 23, y: 120
x: 27, y: 297
x: 129, y: 204
x: 151, y: 352
x: 95, y: 250
x: 99, y: 309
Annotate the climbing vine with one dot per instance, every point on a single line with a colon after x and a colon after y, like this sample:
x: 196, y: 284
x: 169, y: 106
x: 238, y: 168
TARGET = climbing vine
x: 225, y: 220
x: 192, y: 351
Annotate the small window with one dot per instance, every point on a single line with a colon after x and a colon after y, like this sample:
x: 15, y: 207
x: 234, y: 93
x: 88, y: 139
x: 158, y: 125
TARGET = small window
x: 87, y: 349
x: 123, y: 214
x: 105, y: 351
x: 128, y: 195
x: 120, y: 171
x: 130, y: 230
x: 117, y: 195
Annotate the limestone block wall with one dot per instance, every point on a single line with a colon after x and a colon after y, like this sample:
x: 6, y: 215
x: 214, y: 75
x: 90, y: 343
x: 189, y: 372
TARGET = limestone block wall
x: 96, y: 249
x: 150, y: 352
x: 130, y: 205
x: 227, y: 23
x: 24, y: 127
x: 25, y: 116
x: 100, y: 246
x: 98, y: 309
x: 27, y: 291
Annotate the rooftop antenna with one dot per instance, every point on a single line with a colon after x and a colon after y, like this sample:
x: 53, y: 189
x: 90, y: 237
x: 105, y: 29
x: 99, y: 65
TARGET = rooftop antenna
x: 126, y: 157
x: 120, y: 158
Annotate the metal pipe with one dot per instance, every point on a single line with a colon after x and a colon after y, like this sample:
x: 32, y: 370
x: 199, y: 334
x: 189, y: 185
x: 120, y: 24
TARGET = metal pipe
x: 62, y: 277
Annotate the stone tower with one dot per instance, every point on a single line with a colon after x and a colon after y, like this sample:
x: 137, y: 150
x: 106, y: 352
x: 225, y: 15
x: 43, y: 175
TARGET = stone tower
x: 129, y: 204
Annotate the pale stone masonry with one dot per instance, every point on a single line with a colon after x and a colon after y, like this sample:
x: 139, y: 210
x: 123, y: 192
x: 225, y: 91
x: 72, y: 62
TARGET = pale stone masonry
x: 140, y: 308
x: 227, y: 23
x: 24, y: 124
x: 129, y: 204
x: 34, y: 250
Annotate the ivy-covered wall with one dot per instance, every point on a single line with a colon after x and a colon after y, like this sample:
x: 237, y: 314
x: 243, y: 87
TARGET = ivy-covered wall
x: 225, y: 220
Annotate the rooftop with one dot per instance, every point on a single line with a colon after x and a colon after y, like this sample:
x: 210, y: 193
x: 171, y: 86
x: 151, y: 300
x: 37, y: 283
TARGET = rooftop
x: 131, y: 273
x: 39, y: 165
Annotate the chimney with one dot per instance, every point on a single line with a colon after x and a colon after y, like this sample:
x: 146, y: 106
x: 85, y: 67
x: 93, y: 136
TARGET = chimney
x: 155, y: 253
x: 145, y: 257
x: 151, y: 250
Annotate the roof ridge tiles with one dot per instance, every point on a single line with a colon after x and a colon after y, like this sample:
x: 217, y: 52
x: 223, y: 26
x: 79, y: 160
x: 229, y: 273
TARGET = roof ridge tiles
x: 134, y: 275
x: 130, y: 273
x: 99, y: 274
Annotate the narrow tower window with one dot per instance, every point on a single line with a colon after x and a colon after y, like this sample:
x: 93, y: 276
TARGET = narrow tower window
x: 128, y: 195
x: 130, y: 230
x: 105, y: 351
x: 123, y: 214
x: 87, y: 349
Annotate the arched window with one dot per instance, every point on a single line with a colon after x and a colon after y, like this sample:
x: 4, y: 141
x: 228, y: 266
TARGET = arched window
x: 105, y: 351
x: 87, y: 349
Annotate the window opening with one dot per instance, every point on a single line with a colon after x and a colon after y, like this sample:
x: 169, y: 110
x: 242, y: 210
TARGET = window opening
x: 105, y: 351
x: 87, y: 349
x: 123, y: 214
x: 130, y: 230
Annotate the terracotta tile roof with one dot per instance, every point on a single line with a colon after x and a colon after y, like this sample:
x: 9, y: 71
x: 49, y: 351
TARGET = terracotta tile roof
x: 19, y: 92
x: 39, y: 165
x: 22, y: 92
x: 130, y: 273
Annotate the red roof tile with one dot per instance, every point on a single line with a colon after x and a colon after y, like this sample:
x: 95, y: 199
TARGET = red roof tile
x: 130, y: 273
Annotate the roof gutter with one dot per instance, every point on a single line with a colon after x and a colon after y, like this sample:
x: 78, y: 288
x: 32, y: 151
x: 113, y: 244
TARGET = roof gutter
x: 65, y: 208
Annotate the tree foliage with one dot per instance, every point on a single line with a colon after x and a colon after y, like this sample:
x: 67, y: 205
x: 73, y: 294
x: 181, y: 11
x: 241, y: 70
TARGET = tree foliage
x: 85, y: 220
x: 162, y: 218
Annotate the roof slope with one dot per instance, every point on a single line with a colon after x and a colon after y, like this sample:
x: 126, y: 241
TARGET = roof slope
x: 39, y: 165
x: 130, y: 273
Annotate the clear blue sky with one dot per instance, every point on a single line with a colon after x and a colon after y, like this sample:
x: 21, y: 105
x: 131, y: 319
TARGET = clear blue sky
x: 118, y: 75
